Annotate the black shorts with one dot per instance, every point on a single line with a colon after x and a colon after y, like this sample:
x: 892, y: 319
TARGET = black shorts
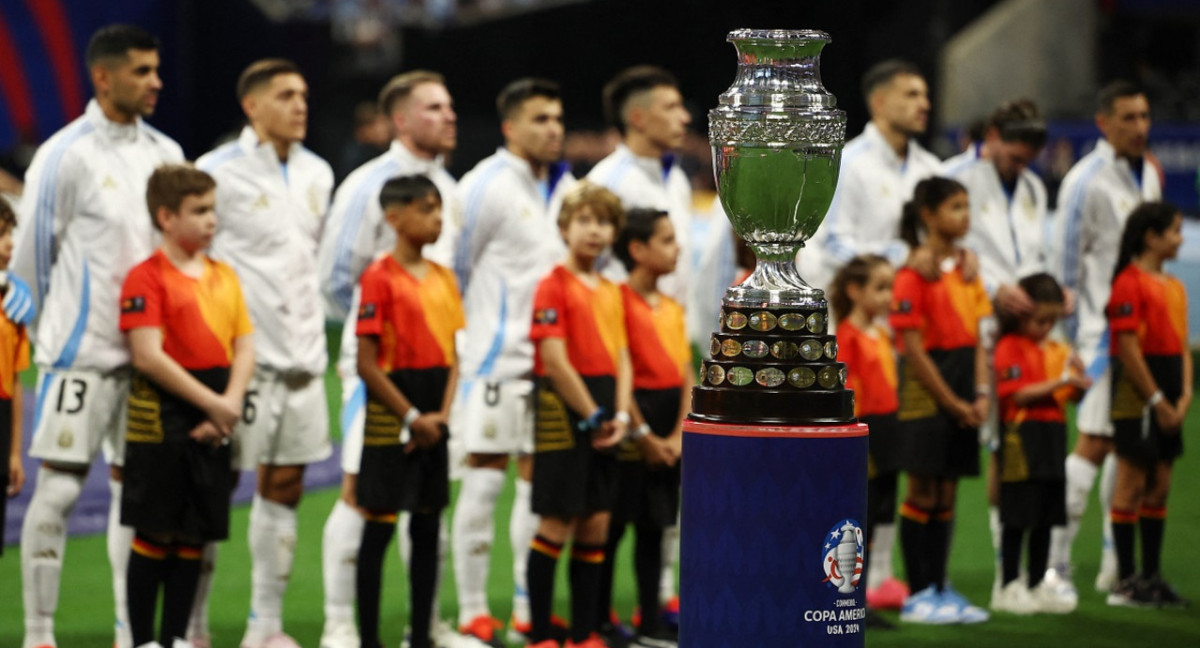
x: 571, y: 479
x: 172, y: 484
x: 935, y: 445
x: 1032, y: 504
x: 886, y: 444
x: 1033, y: 450
x: 649, y: 495
x: 390, y: 480
x: 6, y: 433
x: 1141, y: 440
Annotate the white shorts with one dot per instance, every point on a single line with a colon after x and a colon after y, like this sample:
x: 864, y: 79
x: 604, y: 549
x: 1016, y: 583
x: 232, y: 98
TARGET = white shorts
x: 80, y: 412
x: 353, y: 418
x: 494, y: 417
x: 1094, y: 413
x: 285, y: 421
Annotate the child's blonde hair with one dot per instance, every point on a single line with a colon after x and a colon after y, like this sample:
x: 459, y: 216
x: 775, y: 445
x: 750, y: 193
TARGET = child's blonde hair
x: 603, y: 202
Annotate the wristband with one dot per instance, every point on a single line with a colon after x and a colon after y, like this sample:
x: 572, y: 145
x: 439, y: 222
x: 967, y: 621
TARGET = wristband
x: 983, y: 390
x: 1155, y: 398
x: 593, y: 422
x: 640, y: 432
x: 411, y: 415
x: 622, y: 417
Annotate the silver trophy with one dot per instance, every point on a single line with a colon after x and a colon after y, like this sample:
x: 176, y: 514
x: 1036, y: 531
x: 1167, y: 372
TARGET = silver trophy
x: 777, y: 146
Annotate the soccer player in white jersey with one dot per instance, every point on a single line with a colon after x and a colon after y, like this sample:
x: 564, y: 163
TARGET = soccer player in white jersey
x: 85, y: 224
x: 1096, y: 197
x: 272, y: 195
x: 421, y: 112
x: 879, y: 170
x: 645, y: 105
x: 509, y: 241
x: 1008, y: 220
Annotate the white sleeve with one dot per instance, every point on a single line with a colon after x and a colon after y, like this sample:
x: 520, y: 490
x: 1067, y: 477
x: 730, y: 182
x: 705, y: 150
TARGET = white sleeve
x: 44, y: 212
x: 482, y: 211
x: 348, y: 243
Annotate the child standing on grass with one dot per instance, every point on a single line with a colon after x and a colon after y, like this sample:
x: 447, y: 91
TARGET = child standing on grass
x: 860, y: 295
x: 408, y: 315
x: 581, y: 360
x: 648, y: 484
x: 1033, y: 382
x: 1152, y: 391
x: 943, y: 396
x: 189, y: 335
x: 14, y: 358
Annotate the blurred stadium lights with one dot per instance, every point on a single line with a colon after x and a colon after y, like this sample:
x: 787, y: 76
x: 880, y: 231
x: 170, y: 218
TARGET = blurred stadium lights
x: 352, y: 17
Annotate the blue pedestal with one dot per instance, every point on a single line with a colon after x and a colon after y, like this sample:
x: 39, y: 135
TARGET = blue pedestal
x: 772, y: 536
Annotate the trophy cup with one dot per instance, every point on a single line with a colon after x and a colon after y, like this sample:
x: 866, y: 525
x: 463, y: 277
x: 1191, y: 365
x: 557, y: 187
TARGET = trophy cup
x: 774, y: 463
x: 777, y: 142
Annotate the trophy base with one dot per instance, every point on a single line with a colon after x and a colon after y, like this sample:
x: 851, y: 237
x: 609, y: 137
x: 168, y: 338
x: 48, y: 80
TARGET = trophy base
x: 772, y: 407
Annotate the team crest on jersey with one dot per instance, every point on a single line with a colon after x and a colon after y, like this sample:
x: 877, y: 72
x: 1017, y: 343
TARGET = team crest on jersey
x: 366, y: 312
x: 1124, y: 309
x: 109, y: 183
x: 261, y: 203
x: 545, y: 316
x: 903, y: 306
x: 1012, y: 373
x: 133, y: 305
x: 842, y: 556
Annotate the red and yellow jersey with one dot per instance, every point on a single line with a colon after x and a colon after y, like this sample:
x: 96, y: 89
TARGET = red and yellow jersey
x: 870, y: 368
x: 590, y: 320
x: 946, y: 311
x: 14, y: 355
x: 415, y: 319
x: 658, y: 342
x: 1021, y: 362
x: 199, y: 317
x: 1153, y: 306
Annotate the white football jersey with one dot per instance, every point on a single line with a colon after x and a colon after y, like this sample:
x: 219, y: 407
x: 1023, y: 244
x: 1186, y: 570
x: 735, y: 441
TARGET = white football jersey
x: 509, y: 242
x: 655, y: 184
x: 84, y: 224
x: 864, y: 217
x: 1094, y: 201
x: 1007, y: 232
x: 355, y: 233
x: 269, y: 217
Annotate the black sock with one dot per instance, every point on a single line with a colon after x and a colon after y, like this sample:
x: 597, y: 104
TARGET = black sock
x: 941, y: 525
x: 1151, y: 522
x: 1039, y: 554
x: 539, y: 577
x: 147, y: 565
x: 368, y: 582
x: 1123, y: 523
x: 179, y: 591
x: 616, y: 529
x: 914, y: 540
x: 648, y: 569
x: 1010, y: 553
x: 586, y: 563
x: 422, y: 575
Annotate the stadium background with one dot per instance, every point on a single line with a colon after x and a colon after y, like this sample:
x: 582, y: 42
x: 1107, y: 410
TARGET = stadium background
x: 349, y: 47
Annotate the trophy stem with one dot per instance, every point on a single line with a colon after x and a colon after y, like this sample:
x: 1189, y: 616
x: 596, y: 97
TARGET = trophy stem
x: 775, y: 283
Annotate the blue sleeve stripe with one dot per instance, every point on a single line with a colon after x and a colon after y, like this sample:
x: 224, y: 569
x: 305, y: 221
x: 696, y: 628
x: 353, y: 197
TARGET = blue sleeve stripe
x: 1072, y: 211
x: 219, y: 156
x: 66, y: 358
x: 489, y: 361
x: 473, y: 204
x: 44, y: 381
x: 354, y: 405
x: 341, y: 278
x: 44, y: 215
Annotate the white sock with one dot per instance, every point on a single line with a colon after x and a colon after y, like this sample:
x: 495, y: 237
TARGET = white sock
x: 198, y: 622
x: 403, y: 542
x: 670, y: 556
x: 879, y: 567
x: 1080, y: 475
x: 471, y: 538
x: 272, y: 549
x: 43, y: 543
x: 339, y: 557
x: 120, y: 539
x: 1108, y: 483
x: 522, y: 527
